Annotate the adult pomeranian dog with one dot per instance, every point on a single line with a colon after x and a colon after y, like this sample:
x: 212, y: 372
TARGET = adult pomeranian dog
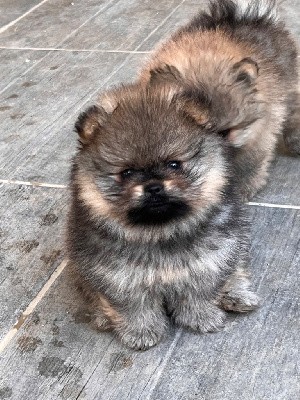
x: 156, y: 228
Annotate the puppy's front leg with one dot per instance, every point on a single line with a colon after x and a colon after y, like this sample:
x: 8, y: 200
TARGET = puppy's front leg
x: 192, y: 304
x: 138, y: 320
x: 236, y: 295
x: 193, y: 311
x: 291, y: 129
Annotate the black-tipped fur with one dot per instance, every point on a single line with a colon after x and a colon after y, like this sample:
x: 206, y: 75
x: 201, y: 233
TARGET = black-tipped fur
x: 227, y: 14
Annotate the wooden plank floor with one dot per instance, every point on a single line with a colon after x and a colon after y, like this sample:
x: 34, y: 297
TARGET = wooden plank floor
x: 55, y: 56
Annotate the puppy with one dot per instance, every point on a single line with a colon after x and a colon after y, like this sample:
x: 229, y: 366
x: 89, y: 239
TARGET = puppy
x: 242, y: 39
x: 156, y: 228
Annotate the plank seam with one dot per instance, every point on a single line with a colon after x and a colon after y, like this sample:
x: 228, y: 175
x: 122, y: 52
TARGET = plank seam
x: 12, y: 23
x: 31, y: 306
x: 162, y: 365
x: 49, y: 49
x: 58, y: 186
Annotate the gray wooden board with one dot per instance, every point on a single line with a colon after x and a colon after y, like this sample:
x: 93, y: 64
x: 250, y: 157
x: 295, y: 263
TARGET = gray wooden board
x: 31, y: 231
x: 58, y: 355
x: 180, y: 17
x: 120, y: 24
x: 51, y: 23
x: 257, y: 357
x: 123, y: 25
x: 283, y: 185
x: 290, y: 12
x: 38, y: 146
x: 13, y: 9
x: 13, y: 65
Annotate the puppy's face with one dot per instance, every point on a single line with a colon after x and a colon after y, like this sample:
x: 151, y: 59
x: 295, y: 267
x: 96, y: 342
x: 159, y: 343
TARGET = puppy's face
x: 145, y: 164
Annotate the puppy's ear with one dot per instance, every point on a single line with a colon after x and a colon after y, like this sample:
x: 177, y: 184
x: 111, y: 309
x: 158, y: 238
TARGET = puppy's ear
x: 166, y: 74
x: 196, y: 111
x: 245, y: 71
x: 195, y: 105
x: 90, y: 121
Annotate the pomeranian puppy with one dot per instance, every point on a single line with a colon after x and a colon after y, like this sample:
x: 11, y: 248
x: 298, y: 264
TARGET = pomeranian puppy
x: 156, y: 228
x: 238, y: 41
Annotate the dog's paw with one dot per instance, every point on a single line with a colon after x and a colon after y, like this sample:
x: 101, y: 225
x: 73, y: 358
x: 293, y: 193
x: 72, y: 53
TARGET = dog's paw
x: 240, y: 301
x: 102, y: 323
x: 209, y: 319
x: 140, y: 340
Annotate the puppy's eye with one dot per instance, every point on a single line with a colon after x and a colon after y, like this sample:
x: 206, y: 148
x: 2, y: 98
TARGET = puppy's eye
x: 224, y: 133
x: 174, y: 165
x: 127, y: 173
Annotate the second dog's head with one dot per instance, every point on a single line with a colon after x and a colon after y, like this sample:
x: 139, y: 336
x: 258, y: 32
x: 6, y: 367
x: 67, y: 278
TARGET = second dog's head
x: 149, y: 164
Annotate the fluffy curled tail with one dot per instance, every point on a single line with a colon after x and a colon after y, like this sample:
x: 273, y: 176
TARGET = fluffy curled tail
x: 252, y: 8
x: 232, y: 13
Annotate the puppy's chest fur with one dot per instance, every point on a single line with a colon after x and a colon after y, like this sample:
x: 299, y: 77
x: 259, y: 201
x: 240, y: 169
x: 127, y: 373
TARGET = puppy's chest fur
x: 179, y: 262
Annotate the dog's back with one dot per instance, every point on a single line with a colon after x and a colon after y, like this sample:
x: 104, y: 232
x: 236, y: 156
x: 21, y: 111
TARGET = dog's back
x: 233, y: 44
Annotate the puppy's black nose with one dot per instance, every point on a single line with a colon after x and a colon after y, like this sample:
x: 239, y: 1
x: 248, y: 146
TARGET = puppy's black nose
x: 154, y: 188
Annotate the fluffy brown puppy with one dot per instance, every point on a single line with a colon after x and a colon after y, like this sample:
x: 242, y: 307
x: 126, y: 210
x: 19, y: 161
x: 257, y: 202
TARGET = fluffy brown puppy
x: 156, y: 228
x: 245, y: 39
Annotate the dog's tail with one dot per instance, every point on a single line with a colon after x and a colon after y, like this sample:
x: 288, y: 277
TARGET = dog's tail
x: 231, y: 13
x: 254, y: 8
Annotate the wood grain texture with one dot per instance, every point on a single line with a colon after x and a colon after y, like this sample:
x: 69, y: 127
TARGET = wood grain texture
x: 181, y: 16
x: 11, y: 10
x: 282, y: 185
x: 51, y: 23
x: 58, y: 355
x: 120, y: 24
x: 31, y: 231
x: 13, y: 65
x: 123, y: 25
x: 37, y: 139
x: 257, y: 356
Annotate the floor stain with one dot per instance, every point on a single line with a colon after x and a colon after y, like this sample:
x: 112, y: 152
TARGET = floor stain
x: 28, y: 343
x: 5, y: 392
x: 82, y: 317
x: 54, y: 67
x: 29, y: 123
x: 57, y: 343
x: 4, y: 108
x: 54, y: 328
x: 52, y: 367
x: 55, y: 367
x: 49, y: 259
x: 12, y: 96
x: 11, y: 138
x: 119, y: 361
x: 25, y: 246
x: 29, y: 83
x: 35, y: 318
x: 49, y: 219
x: 17, y: 116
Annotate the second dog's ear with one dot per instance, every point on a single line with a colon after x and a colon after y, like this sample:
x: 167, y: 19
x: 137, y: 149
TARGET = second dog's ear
x: 246, y: 71
x: 167, y: 74
x: 195, y: 104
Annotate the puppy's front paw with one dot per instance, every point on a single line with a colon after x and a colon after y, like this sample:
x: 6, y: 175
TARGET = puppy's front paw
x: 140, y: 339
x: 102, y: 323
x: 209, y: 319
x: 239, y: 301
